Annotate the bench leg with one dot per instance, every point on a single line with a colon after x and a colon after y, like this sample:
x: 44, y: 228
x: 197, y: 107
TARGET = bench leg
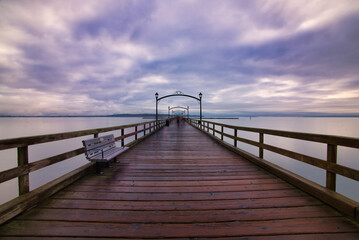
x: 108, y: 165
x: 98, y: 170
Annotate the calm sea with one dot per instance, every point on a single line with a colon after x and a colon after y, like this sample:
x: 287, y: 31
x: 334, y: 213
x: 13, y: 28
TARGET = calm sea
x: 20, y: 127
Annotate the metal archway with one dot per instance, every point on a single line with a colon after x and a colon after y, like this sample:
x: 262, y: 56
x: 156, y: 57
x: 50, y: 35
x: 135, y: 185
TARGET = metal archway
x: 178, y: 107
x: 180, y: 94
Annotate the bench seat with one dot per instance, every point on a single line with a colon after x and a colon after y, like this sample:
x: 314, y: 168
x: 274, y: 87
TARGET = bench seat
x: 102, y: 149
x: 107, y: 155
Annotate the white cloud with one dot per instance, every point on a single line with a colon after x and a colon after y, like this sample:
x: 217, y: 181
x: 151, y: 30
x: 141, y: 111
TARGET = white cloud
x: 131, y: 49
x: 34, y: 102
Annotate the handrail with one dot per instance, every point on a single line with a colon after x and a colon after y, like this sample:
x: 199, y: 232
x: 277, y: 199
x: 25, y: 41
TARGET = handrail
x: 326, y: 194
x: 27, y: 199
x: 26, y: 141
x: 22, y: 144
x: 330, y: 164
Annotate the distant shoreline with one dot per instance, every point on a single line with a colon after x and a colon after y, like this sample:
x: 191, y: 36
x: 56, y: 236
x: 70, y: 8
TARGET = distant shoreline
x: 152, y: 116
x: 220, y: 117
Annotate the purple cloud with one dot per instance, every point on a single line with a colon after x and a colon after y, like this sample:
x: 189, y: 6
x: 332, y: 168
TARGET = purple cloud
x: 257, y: 56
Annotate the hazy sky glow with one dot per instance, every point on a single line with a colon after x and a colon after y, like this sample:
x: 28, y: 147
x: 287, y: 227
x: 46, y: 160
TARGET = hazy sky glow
x: 104, y: 57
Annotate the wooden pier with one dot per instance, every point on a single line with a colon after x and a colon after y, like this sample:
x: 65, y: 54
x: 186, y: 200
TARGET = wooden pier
x: 180, y: 183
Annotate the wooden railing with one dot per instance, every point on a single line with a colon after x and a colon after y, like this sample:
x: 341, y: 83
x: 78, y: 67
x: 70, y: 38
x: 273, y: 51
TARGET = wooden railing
x: 330, y: 164
x: 139, y: 131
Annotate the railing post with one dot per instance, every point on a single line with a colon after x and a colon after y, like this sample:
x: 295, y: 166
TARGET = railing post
x: 222, y: 133
x: 136, y: 132
x: 122, y: 140
x: 261, y: 141
x: 23, y: 159
x: 235, y: 138
x: 332, y: 158
x: 214, y: 126
x: 144, y: 129
x: 207, y: 126
x: 95, y: 135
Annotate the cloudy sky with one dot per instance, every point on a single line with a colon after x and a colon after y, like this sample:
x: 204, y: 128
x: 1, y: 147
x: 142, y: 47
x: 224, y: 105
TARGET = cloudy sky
x: 111, y: 56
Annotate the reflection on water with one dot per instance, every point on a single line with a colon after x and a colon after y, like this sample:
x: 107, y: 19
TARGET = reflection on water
x: 19, y: 127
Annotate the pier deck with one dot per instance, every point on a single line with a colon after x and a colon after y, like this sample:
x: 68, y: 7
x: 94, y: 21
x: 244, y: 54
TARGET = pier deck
x: 179, y: 183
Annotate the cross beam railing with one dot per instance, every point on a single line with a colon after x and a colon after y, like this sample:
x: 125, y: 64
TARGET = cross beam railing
x: 138, y: 131
x: 330, y: 164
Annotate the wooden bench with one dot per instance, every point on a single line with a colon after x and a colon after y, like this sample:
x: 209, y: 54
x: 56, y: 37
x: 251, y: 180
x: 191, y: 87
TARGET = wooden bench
x: 102, y: 149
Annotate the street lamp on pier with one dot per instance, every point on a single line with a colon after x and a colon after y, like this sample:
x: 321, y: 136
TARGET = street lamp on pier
x: 200, y: 107
x: 156, y: 95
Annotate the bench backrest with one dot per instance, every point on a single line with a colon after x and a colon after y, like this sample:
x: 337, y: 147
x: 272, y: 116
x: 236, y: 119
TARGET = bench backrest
x: 92, y: 145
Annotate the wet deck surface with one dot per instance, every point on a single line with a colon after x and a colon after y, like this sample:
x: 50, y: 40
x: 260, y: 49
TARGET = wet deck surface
x: 179, y: 183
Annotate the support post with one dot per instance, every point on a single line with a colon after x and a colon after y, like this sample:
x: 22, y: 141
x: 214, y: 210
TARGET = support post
x: 136, y: 132
x: 122, y: 140
x: 156, y: 95
x: 235, y: 137
x: 261, y: 141
x: 331, y: 158
x: 222, y: 133
x: 23, y: 159
x: 200, y: 108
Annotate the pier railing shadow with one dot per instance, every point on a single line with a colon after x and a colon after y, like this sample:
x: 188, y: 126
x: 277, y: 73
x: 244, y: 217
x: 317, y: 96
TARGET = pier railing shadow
x: 328, y: 193
x: 27, y: 198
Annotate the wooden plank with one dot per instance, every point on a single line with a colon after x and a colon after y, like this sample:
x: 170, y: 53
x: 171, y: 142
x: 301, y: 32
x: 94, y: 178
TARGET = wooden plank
x: 22, y: 170
x: 332, y: 139
x: 178, y: 196
x: 143, y: 205
x: 191, y: 216
x: 184, y: 178
x: 321, y: 236
x: 331, y: 177
x: 343, y: 204
x: 30, y: 199
x: 26, y: 141
x: 101, y: 182
x: 157, y: 191
x: 183, y: 174
x: 139, y: 230
x: 191, y: 171
x: 176, y: 189
x: 23, y: 160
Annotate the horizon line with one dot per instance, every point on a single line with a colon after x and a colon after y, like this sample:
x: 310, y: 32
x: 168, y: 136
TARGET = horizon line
x: 209, y: 115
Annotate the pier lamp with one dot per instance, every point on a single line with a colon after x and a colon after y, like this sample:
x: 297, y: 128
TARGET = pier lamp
x: 200, y: 108
x: 156, y: 95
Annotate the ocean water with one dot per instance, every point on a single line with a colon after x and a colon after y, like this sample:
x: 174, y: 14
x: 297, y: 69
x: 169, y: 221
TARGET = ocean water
x: 21, y: 127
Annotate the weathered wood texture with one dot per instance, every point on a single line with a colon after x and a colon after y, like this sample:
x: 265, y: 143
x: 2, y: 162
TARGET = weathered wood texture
x: 326, y: 194
x: 28, y: 199
x: 179, y: 184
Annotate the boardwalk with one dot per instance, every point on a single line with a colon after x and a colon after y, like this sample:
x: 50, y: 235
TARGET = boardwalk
x: 179, y: 183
